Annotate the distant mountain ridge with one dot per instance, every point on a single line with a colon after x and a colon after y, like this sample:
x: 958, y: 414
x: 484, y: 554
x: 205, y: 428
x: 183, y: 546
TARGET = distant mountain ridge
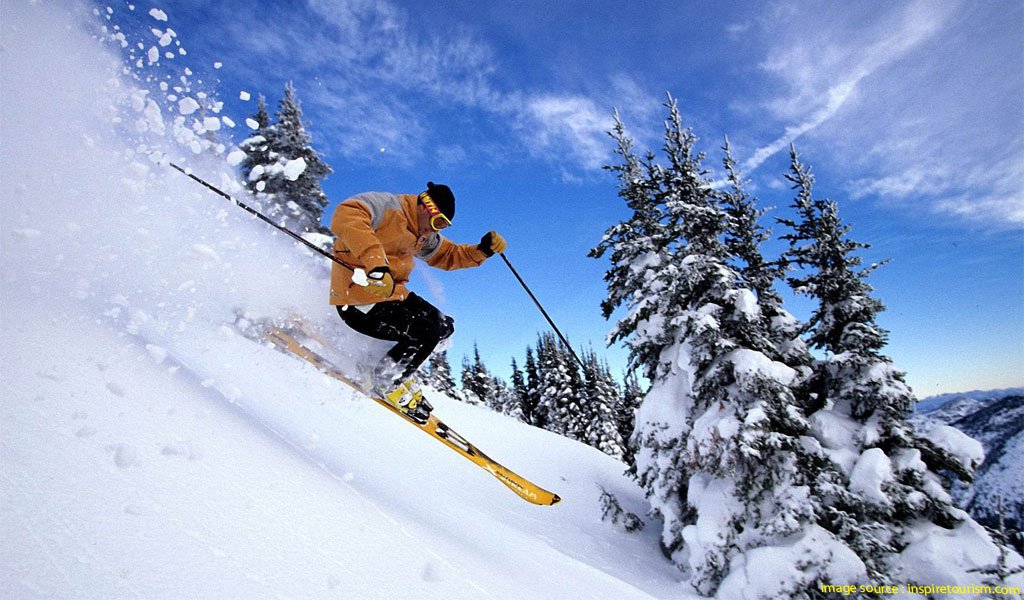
x: 996, y: 419
x: 931, y: 403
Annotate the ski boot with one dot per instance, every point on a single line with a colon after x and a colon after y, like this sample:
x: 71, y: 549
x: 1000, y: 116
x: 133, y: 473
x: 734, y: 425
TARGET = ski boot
x: 419, y: 404
x: 408, y: 398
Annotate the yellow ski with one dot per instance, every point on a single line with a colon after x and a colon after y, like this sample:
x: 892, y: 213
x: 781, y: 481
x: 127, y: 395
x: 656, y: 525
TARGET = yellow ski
x: 433, y: 426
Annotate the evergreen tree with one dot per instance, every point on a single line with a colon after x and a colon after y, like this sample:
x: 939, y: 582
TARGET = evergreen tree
x: 532, y: 410
x: 257, y: 151
x: 561, y: 389
x: 600, y: 410
x: 891, y: 493
x: 522, y: 409
x: 439, y: 375
x: 505, y: 400
x: 299, y: 197
x: 744, y: 235
x: 625, y: 419
x: 641, y: 273
x: 284, y: 170
x: 477, y: 385
x: 719, y: 444
x: 743, y: 238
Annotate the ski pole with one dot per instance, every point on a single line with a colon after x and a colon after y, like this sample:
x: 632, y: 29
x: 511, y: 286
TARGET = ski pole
x: 260, y: 216
x: 542, y: 311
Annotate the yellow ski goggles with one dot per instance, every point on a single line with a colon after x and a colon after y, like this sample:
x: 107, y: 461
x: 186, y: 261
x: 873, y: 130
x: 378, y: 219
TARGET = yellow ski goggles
x: 438, y: 220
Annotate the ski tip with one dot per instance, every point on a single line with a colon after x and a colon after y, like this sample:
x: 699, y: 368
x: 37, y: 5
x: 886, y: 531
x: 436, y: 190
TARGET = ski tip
x: 555, y: 499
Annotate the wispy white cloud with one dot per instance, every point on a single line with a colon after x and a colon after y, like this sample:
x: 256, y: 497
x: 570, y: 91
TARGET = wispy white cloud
x: 370, y: 75
x: 835, y: 96
x: 385, y: 79
x: 573, y: 129
x: 990, y: 193
x: 907, y: 105
x: 823, y: 69
x: 571, y: 126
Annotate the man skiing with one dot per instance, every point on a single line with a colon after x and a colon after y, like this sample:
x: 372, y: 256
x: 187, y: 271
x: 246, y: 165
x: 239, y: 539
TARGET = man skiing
x: 378, y: 234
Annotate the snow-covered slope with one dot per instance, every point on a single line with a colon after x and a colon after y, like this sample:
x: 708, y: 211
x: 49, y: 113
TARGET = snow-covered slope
x: 124, y: 471
x: 996, y: 419
x: 150, y: 451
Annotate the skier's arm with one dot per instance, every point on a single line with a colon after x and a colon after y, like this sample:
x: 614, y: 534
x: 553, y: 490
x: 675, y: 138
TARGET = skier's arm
x: 352, y: 224
x: 444, y: 254
x: 441, y: 253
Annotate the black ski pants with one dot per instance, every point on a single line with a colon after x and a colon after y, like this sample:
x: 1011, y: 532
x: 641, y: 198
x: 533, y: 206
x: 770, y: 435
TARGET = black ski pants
x: 416, y: 326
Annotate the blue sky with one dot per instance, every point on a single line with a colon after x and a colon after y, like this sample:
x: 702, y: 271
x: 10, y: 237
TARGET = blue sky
x: 911, y: 115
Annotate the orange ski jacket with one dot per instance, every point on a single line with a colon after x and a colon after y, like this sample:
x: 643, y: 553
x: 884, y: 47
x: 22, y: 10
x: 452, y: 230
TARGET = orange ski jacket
x: 378, y: 229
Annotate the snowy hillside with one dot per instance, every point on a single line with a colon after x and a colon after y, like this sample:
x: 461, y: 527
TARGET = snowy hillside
x: 150, y: 451
x: 996, y: 419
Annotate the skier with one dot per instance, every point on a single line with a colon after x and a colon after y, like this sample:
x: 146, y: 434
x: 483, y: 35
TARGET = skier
x: 379, y: 234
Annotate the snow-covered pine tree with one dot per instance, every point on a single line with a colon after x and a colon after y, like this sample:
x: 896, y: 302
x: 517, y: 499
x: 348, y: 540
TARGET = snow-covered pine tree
x: 625, y: 419
x: 719, y: 435
x: 601, y: 406
x: 744, y: 234
x: 640, y: 273
x: 743, y: 239
x: 891, y: 504
x: 293, y: 180
x: 505, y: 400
x: 257, y: 151
x: 532, y: 410
x: 561, y: 389
x: 477, y: 385
x: 439, y: 375
x: 521, y: 395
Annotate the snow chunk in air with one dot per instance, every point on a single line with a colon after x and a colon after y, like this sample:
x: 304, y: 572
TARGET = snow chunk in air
x: 157, y: 353
x: 293, y: 169
x: 187, y: 106
x: 235, y: 157
x: 164, y: 38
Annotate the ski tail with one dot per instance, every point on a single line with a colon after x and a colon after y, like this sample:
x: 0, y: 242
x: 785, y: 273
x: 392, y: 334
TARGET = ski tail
x: 432, y: 426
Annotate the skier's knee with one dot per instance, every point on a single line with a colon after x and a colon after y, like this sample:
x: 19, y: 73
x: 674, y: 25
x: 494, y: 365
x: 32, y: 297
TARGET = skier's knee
x: 447, y: 328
